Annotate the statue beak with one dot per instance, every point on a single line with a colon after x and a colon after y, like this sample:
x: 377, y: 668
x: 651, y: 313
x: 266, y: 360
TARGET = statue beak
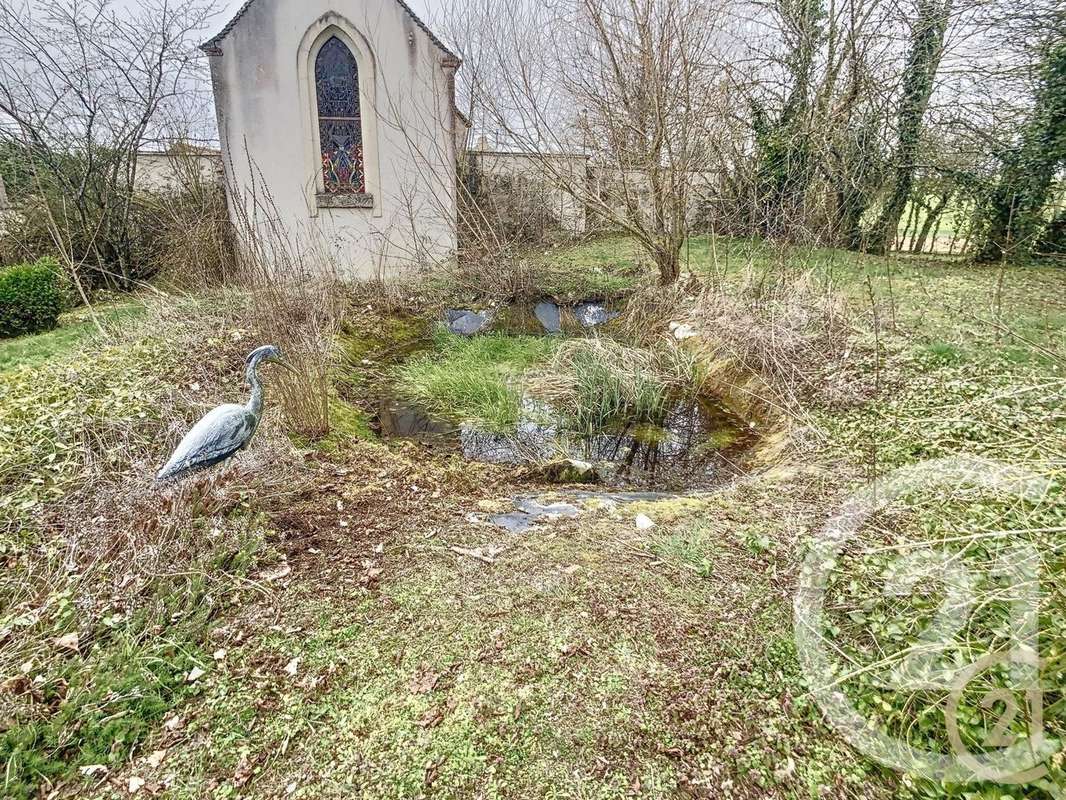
x: 281, y: 362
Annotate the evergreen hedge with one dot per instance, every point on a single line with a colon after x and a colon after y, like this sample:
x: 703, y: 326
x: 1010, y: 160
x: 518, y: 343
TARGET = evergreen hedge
x: 31, y: 297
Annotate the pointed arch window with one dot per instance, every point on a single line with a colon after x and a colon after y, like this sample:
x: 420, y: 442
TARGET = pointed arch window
x: 340, y: 130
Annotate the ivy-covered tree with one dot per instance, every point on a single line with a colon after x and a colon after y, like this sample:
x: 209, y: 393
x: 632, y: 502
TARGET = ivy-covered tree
x: 1013, y: 215
x: 786, y: 161
x: 923, y: 61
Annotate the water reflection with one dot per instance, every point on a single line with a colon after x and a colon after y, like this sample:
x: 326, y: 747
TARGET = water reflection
x: 696, y: 443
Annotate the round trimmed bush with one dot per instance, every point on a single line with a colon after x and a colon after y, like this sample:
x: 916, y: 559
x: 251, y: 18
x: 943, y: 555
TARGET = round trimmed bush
x: 31, y: 297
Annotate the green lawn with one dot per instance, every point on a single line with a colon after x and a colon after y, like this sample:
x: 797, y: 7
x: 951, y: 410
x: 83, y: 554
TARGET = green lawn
x: 1015, y: 312
x: 74, y: 329
x: 370, y: 635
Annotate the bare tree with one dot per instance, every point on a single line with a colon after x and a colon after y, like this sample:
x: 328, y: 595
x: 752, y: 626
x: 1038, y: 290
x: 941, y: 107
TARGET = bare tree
x: 636, y: 85
x: 83, y: 86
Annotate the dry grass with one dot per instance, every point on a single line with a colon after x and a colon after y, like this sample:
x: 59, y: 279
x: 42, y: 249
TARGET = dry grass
x: 108, y: 585
x: 770, y: 345
x: 596, y: 381
x: 297, y: 303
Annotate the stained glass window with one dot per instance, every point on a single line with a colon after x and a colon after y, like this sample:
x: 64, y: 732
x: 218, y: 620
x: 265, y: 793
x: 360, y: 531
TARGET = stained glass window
x: 339, y: 126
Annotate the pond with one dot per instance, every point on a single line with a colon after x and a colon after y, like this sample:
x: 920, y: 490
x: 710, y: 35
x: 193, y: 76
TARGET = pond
x: 480, y: 408
x: 697, y: 444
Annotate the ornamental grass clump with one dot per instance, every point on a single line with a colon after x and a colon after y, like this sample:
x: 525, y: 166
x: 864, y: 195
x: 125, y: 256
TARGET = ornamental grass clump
x: 476, y: 379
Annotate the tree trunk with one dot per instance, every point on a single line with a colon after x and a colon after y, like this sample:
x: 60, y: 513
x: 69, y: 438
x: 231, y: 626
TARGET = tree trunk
x: 668, y: 260
x: 932, y: 218
x: 923, y: 60
x: 1013, y: 213
x: 898, y: 243
x: 1053, y: 242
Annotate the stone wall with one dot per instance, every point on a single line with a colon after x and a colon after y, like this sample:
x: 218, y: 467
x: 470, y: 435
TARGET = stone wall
x: 166, y: 173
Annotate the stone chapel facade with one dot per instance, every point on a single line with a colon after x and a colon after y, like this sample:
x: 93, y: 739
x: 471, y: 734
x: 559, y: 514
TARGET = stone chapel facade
x: 339, y: 130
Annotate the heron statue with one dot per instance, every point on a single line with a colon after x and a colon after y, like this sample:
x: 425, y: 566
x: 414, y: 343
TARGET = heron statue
x: 225, y: 429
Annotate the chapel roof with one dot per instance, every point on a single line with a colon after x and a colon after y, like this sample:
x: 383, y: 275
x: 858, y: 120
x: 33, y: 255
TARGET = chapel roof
x: 214, y: 42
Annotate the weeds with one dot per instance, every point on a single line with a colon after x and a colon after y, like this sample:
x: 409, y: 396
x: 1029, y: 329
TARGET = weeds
x: 296, y: 304
x: 109, y: 586
x: 595, y: 382
x: 769, y: 346
x: 474, y: 379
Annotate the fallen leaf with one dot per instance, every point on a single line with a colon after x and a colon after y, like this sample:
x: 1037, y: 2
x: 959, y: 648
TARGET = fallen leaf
x: 487, y: 554
x: 293, y: 666
x: 69, y: 642
x: 174, y: 723
x: 644, y: 522
x: 92, y: 769
x: 432, y: 768
x: 195, y: 674
x: 431, y: 718
x: 244, y: 770
x: 424, y: 681
x: 156, y: 757
x: 276, y: 573
x: 218, y: 655
x: 135, y: 784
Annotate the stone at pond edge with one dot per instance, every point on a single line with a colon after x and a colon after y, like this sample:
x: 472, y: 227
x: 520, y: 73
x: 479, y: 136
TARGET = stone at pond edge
x: 538, y: 509
x: 515, y: 521
x: 568, y: 470
x: 592, y: 314
x: 530, y: 511
x: 466, y: 323
x: 547, y: 314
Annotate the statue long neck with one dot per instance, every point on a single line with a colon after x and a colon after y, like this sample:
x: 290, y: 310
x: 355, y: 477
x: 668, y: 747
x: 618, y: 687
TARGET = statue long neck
x: 251, y: 374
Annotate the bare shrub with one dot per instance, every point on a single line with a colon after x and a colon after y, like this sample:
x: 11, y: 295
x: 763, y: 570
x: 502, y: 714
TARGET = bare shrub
x: 82, y: 89
x: 769, y: 345
x: 789, y: 333
x: 499, y: 276
x: 296, y: 304
x: 186, y: 235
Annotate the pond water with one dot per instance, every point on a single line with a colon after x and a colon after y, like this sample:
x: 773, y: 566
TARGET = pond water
x: 697, y: 443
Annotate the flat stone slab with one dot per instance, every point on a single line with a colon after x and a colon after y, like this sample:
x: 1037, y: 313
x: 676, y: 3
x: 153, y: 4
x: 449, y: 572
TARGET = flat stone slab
x: 538, y: 509
x: 466, y: 323
x: 513, y: 521
x: 592, y: 314
x: 530, y: 511
x: 547, y: 314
